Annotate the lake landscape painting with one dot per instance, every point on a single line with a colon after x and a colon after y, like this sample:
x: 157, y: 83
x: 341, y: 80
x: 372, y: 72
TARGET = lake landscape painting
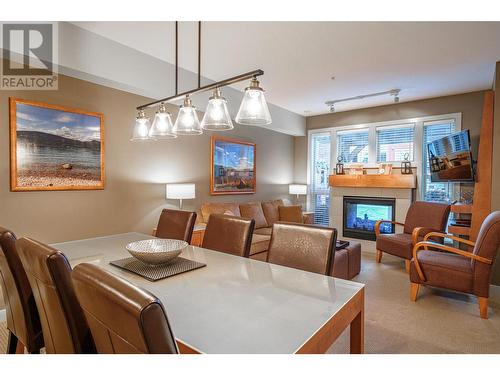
x: 55, y: 148
x: 232, y: 167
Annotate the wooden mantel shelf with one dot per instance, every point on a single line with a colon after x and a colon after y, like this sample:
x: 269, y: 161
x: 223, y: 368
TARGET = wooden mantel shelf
x: 390, y: 181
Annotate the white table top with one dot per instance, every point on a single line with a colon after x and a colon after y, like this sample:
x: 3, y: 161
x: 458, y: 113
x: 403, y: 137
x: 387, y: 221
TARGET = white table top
x: 234, y: 304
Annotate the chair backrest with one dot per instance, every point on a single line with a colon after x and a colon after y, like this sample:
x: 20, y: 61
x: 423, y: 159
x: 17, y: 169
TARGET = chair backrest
x: 487, y: 244
x: 22, y: 315
x: 427, y: 214
x: 229, y: 234
x: 176, y: 224
x: 64, y: 327
x: 303, y: 246
x: 123, y: 318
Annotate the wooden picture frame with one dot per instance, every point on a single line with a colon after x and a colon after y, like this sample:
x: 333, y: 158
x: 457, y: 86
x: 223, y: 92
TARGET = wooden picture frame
x: 55, y: 148
x: 246, y: 176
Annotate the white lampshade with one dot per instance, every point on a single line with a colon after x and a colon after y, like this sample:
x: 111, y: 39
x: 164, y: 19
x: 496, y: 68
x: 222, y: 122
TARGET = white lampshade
x: 297, y: 189
x: 216, y: 115
x: 181, y: 191
x: 253, y: 109
x: 141, y: 128
x: 187, y: 122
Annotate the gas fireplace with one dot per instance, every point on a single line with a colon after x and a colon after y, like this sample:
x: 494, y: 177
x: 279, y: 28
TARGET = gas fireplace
x: 361, y: 214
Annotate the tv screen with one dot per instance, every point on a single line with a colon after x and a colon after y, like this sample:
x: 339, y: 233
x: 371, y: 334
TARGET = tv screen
x: 450, y: 158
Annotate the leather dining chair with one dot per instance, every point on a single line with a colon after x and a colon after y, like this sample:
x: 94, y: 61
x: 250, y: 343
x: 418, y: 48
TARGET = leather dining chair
x: 307, y: 247
x: 23, y: 321
x: 456, y: 269
x: 229, y: 234
x: 421, y: 218
x: 123, y: 318
x: 176, y: 224
x: 64, y: 327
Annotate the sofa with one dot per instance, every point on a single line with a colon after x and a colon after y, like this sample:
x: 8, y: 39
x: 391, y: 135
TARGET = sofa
x: 265, y: 215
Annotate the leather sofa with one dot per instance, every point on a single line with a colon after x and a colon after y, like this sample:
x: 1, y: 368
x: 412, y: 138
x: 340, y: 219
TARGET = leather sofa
x: 265, y: 215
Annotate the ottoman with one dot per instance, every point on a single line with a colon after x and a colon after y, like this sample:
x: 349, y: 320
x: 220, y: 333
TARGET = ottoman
x: 347, y: 263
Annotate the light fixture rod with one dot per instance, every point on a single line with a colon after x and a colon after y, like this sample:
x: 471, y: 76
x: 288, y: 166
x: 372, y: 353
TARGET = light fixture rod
x: 199, y: 54
x: 393, y: 92
x: 176, y: 58
x: 211, y: 86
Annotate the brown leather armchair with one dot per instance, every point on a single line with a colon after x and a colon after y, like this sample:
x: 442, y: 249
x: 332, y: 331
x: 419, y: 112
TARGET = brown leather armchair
x: 176, y: 224
x: 123, y: 318
x: 64, y: 327
x: 229, y: 234
x: 455, y: 269
x: 421, y: 218
x: 307, y: 247
x: 23, y: 321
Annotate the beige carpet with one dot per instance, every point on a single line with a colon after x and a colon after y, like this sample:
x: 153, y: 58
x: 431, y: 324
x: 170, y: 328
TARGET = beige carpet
x: 439, y: 322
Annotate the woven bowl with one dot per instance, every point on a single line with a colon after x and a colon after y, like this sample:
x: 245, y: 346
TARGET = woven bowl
x: 156, y: 251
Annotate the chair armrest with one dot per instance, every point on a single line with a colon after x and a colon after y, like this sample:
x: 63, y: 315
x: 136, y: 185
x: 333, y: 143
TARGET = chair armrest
x: 377, y: 225
x: 417, y: 232
x: 154, y: 232
x: 426, y: 244
x: 445, y: 235
x: 308, y: 217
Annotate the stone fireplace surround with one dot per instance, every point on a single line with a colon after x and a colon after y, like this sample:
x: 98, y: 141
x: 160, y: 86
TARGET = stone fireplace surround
x: 403, y: 197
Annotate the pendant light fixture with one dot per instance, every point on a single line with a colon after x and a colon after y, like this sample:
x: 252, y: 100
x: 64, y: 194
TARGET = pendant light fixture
x: 162, y: 124
x: 141, y: 127
x: 216, y: 115
x: 187, y: 122
x: 253, y: 109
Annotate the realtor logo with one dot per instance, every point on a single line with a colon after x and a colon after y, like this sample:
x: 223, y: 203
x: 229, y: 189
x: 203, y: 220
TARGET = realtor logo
x: 29, y: 56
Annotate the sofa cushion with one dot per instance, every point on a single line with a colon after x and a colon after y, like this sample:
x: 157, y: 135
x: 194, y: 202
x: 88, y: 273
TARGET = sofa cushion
x: 291, y: 214
x: 271, y: 211
x: 260, y: 243
x: 267, y: 231
x: 254, y: 211
x: 218, y: 208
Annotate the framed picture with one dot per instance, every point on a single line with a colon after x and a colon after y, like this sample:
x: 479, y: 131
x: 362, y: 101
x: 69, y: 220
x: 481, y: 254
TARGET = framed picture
x: 55, y: 148
x: 232, y: 167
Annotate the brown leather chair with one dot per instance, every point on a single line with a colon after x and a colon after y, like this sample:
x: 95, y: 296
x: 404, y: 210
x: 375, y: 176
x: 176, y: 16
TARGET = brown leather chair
x: 229, y: 234
x: 459, y: 270
x: 123, y: 318
x: 23, y: 321
x: 421, y: 218
x: 176, y: 224
x: 303, y: 246
x: 64, y: 327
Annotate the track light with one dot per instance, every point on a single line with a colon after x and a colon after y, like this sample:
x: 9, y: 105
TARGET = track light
x: 332, y: 108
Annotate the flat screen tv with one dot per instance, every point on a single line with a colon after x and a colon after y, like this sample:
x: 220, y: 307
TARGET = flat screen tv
x: 450, y: 158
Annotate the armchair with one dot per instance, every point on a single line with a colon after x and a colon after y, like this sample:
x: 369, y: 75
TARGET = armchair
x: 455, y: 269
x: 422, y: 218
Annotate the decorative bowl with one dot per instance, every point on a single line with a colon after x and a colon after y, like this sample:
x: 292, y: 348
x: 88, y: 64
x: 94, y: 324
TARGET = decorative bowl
x: 156, y: 251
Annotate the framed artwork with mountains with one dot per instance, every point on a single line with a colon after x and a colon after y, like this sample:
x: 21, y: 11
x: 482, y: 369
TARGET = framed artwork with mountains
x: 55, y: 148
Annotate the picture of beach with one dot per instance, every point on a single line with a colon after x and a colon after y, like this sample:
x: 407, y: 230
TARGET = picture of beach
x: 233, y: 167
x: 54, y: 148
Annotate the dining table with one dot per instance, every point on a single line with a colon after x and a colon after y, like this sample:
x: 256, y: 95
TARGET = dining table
x: 240, y: 305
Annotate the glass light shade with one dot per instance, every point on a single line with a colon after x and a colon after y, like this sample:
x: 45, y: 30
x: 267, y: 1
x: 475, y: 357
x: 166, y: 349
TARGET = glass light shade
x: 162, y: 125
x: 216, y: 115
x: 141, y: 128
x: 187, y: 122
x: 253, y: 109
x: 297, y: 189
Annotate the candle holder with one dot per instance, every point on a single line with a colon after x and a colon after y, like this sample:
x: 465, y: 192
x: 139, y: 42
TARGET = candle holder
x: 339, y: 167
x: 406, y: 164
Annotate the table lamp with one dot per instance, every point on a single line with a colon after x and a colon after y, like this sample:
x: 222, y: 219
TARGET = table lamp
x: 181, y: 191
x: 297, y: 190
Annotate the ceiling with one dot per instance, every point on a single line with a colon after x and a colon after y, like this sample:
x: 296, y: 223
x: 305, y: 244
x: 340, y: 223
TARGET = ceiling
x: 423, y: 59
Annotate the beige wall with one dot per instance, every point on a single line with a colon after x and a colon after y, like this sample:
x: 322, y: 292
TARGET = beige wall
x: 136, y: 172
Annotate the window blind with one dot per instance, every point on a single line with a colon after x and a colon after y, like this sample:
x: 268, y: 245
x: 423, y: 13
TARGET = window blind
x: 435, y: 191
x: 352, y: 145
x: 320, y: 169
x: 393, y: 142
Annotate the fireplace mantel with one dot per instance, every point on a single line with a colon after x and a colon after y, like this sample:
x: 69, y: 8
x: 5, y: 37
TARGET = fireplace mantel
x: 391, y: 181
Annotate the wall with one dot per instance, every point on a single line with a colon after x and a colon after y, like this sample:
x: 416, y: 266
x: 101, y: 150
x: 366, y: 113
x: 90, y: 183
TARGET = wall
x: 495, y: 198
x: 136, y: 172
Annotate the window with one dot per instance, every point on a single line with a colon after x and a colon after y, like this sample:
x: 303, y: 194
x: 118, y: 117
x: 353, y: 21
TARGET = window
x: 352, y: 145
x: 435, y: 191
x: 320, y: 169
x: 393, y: 142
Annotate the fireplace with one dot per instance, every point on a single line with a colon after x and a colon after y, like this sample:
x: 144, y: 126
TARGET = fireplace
x: 361, y: 214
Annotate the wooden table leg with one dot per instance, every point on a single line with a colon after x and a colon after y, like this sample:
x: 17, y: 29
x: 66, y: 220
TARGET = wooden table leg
x: 357, y: 333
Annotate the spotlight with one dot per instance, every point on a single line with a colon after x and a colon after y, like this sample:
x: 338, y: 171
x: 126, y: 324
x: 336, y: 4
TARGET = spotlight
x: 396, y: 99
x: 332, y: 108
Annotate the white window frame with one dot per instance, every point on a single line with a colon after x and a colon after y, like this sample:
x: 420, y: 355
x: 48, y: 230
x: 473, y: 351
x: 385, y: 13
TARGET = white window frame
x: 418, y: 147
